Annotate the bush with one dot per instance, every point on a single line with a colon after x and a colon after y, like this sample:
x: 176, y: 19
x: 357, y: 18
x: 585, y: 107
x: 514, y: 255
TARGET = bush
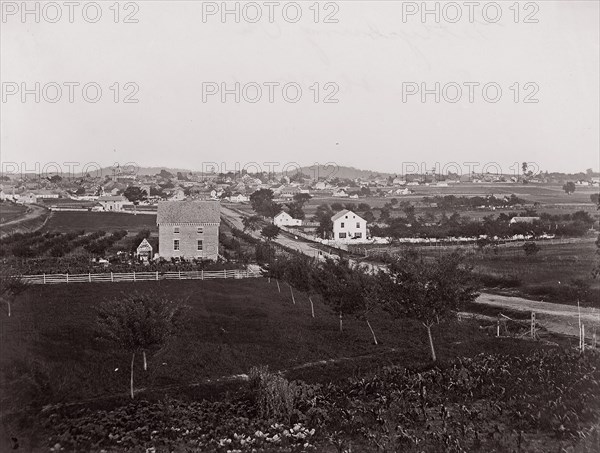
x: 531, y: 248
x: 274, y: 394
x: 503, y: 280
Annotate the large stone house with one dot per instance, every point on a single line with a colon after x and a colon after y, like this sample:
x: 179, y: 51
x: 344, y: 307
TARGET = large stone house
x: 188, y: 229
x: 349, y: 227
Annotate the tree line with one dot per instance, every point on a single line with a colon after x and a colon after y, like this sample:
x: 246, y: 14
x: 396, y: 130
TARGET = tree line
x: 429, y: 291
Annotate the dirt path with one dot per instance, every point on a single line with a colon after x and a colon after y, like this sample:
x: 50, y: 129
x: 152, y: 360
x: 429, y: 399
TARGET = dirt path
x: 13, y: 226
x: 558, y: 318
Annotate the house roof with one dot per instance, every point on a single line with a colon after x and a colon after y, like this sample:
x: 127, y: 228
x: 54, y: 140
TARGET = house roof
x: 188, y: 212
x: 112, y: 198
x: 343, y: 213
x: 282, y: 213
x: 144, y: 245
x: 524, y: 219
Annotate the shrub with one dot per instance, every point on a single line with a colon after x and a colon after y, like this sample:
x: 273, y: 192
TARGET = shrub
x: 531, y: 248
x: 499, y: 280
x: 275, y: 395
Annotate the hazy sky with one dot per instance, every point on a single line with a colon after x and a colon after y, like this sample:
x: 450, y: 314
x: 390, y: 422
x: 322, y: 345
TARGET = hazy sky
x: 374, y: 54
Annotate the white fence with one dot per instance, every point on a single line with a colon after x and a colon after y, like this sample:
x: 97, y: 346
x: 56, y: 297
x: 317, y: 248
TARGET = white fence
x: 138, y: 276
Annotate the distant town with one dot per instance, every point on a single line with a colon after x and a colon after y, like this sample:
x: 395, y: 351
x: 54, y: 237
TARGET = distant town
x: 123, y: 190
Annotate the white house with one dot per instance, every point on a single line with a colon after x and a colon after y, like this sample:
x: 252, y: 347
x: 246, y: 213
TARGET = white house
x: 113, y: 202
x: 340, y: 194
x: 239, y: 198
x: 178, y: 195
x: 523, y: 220
x: 349, y: 227
x: 284, y: 219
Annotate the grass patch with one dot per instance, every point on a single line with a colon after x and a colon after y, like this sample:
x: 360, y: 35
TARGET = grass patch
x: 64, y: 221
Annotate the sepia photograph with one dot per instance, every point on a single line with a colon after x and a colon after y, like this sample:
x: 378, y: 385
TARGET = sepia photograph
x: 351, y: 226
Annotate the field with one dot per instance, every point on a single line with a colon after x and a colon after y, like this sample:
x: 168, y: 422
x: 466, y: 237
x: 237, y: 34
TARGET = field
x: 10, y: 212
x: 547, y: 276
x: 64, y: 221
x: 51, y: 355
x: 552, y: 198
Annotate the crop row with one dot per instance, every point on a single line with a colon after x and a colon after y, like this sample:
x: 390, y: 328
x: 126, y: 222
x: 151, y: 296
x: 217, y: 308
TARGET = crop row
x: 486, y: 403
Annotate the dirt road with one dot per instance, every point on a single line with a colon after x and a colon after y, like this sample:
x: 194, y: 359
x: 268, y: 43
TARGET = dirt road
x: 557, y: 318
x: 13, y: 226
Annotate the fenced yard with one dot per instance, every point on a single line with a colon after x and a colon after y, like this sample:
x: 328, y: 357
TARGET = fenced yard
x: 138, y: 276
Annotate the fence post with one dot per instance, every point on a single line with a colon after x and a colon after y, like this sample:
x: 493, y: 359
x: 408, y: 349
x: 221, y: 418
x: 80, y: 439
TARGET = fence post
x: 44, y: 278
x: 67, y: 278
x: 156, y: 275
x: 179, y: 275
x: 202, y: 274
x: 111, y: 277
x: 224, y: 273
x: 134, y: 276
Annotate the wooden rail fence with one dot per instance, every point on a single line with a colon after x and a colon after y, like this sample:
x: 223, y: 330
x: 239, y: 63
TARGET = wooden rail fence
x: 44, y: 279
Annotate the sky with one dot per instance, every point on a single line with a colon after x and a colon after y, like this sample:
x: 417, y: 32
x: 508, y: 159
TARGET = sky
x: 362, y: 68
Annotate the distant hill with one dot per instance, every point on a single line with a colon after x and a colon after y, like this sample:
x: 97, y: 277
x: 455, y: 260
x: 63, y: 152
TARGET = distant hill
x: 341, y: 172
x: 140, y: 171
x: 322, y: 171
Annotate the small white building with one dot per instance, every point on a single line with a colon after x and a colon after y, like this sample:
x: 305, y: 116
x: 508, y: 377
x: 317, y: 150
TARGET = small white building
x: 349, y: 227
x: 144, y: 250
x: 523, y: 220
x: 284, y: 219
x: 113, y: 202
x: 178, y: 195
x: 239, y: 198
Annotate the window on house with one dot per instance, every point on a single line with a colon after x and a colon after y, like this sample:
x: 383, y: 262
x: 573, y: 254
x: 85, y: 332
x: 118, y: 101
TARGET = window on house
x: 357, y: 224
x: 176, y: 230
x: 342, y: 235
x: 358, y: 235
x: 176, y: 244
x: 199, y: 245
x: 200, y: 230
x: 342, y: 225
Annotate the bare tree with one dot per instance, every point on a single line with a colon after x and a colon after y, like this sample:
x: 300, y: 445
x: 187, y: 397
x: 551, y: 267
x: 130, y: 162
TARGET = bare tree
x: 429, y: 292
x: 11, y: 285
x: 138, y: 322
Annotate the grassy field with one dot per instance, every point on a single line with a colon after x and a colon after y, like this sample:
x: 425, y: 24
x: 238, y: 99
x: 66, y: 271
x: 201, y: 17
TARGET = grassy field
x: 50, y: 353
x: 552, y: 198
x: 65, y: 221
x: 545, y: 276
x: 11, y: 211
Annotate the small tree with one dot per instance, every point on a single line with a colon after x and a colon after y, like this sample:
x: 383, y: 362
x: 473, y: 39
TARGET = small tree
x: 569, y: 187
x: 263, y: 204
x: 135, y: 195
x: 251, y: 223
x: 270, y: 232
x: 300, y: 273
x: 137, y: 322
x: 340, y: 288
x: 11, y: 285
x: 531, y: 248
x: 429, y: 292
